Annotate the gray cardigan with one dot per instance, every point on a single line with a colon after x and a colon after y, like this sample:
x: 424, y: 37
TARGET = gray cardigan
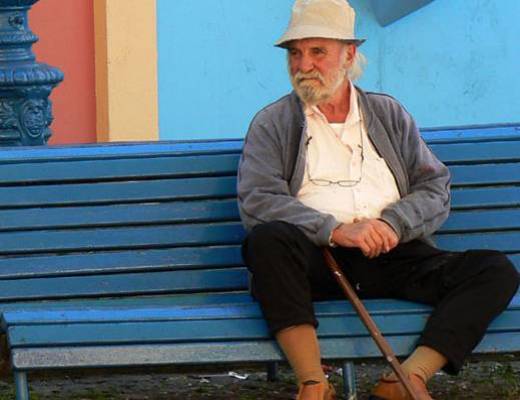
x: 273, y: 163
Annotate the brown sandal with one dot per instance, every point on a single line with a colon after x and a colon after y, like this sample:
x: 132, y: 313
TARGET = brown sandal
x: 321, y: 391
x: 390, y: 388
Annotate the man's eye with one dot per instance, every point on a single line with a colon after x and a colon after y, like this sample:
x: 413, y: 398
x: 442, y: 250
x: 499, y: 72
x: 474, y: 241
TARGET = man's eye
x: 318, y: 51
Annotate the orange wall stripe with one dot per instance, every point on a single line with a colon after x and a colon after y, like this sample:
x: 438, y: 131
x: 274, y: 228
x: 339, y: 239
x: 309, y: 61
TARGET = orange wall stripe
x: 126, y: 70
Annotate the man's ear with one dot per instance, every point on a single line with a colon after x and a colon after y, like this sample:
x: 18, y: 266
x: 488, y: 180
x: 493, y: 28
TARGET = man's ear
x: 350, y: 53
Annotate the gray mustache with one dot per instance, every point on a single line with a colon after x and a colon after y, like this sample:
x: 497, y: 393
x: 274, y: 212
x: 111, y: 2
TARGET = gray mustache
x: 300, y: 77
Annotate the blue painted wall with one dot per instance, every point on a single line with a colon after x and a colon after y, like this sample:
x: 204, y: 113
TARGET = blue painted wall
x: 453, y: 62
x: 217, y: 64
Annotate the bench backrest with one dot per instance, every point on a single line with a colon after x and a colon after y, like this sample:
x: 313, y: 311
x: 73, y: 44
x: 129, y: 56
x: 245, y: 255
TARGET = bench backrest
x: 161, y: 218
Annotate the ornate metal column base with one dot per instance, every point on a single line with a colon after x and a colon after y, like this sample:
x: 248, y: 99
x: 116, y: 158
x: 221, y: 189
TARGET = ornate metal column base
x: 25, y: 85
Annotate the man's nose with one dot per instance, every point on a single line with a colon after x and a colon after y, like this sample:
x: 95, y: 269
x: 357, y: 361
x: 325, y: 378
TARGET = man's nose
x: 306, y: 64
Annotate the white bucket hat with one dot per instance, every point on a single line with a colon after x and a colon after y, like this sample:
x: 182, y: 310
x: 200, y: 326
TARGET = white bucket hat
x: 331, y: 19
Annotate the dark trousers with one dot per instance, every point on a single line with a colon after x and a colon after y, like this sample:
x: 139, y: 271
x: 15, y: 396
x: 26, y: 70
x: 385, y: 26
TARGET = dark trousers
x: 467, y: 289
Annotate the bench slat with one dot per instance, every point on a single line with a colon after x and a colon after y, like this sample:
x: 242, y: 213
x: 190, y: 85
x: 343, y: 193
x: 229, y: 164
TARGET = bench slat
x: 236, y: 310
x: 121, y: 238
x: 207, y: 165
x: 124, y: 261
x: 503, y: 241
x: 473, y: 134
x: 132, y: 191
x: 185, y: 235
x: 106, y: 151
x: 151, y: 149
x: 194, y: 234
x: 129, y: 302
x: 477, y: 197
x: 225, y: 352
x: 467, y: 221
x: 119, y: 169
x: 211, y: 187
x: 215, y: 306
x: 218, y: 329
x: 120, y: 215
x: 467, y: 152
x: 201, y: 211
x: 485, y: 174
x: 125, y: 284
x: 195, y: 330
x: 129, y: 261
x: 117, y: 192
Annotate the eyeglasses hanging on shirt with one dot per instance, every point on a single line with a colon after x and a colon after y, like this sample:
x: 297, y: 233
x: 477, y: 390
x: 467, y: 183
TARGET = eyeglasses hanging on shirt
x: 342, y: 182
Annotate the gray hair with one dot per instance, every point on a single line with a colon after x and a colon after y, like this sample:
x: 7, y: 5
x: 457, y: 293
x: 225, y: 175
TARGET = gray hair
x: 358, y: 66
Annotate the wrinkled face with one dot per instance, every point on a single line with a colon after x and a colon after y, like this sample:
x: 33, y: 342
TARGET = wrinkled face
x: 318, y: 67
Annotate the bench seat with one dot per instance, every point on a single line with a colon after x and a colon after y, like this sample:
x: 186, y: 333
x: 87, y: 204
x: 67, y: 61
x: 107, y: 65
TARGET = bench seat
x: 75, y: 335
x: 129, y: 255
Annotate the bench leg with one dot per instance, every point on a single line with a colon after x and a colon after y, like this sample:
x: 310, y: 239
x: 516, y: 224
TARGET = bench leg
x: 349, y: 381
x: 272, y: 371
x: 22, y: 386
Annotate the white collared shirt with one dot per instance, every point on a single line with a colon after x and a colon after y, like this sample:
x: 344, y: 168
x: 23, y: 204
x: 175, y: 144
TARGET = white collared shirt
x: 334, y: 153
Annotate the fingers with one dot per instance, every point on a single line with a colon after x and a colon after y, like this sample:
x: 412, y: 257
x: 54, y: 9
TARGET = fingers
x: 370, y: 245
x: 390, y: 237
x: 377, y: 243
x: 371, y: 236
x: 374, y: 240
x: 386, y: 238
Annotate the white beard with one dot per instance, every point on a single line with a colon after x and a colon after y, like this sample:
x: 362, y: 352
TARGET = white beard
x: 319, y: 89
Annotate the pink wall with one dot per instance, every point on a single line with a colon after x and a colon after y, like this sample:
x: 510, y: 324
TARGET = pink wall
x: 66, y: 32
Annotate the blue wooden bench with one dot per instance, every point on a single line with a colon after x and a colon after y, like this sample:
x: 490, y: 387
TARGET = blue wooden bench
x: 129, y: 255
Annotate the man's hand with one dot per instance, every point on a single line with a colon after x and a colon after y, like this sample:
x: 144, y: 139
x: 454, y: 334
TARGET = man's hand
x: 371, y: 236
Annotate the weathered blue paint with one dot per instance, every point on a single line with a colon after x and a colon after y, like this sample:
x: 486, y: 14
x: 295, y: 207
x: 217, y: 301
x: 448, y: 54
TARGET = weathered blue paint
x: 467, y: 152
x: 450, y: 63
x: 129, y: 302
x: 224, y: 352
x: 473, y: 221
x: 485, y: 197
x: 388, y: 11
x: 198, y: 329
x: 144, y: 283
x: 245, y: 308
x: 139, y: 167
x: 122, y: 214
x: 122, y: 150
x: 25, y: 85
x: 123, y: 261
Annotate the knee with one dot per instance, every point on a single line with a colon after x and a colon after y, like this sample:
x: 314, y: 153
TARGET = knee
x: 503, y: 272
x: 265, y: 244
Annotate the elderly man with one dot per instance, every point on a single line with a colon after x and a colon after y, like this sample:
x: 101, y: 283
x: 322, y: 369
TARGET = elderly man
x: 332, y: 165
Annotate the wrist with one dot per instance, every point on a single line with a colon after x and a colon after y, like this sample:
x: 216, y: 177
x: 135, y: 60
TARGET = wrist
x: 332, y: 242
x: 389, y: 225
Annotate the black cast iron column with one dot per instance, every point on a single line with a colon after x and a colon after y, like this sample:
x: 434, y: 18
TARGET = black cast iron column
x: 25, y: 85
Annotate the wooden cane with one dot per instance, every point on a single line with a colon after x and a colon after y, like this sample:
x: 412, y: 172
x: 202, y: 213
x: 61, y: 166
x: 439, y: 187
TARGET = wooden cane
x: 367, y: 320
